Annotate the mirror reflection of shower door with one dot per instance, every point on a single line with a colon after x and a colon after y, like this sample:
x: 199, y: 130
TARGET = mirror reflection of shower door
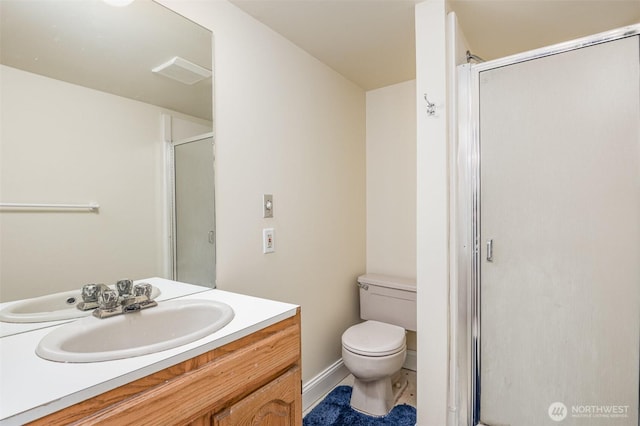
x: 194, y: 218
x: 560, y: 200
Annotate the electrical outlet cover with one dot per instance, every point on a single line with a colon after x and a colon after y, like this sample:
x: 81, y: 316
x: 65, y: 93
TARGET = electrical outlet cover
x: 268, y: 242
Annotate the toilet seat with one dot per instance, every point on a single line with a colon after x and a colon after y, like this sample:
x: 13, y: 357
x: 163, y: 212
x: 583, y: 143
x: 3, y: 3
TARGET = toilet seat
x: 374, y: 338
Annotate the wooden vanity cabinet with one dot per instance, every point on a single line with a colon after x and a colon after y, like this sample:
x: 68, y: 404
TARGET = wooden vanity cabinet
x: 255, y: 380
x: 276, y: 403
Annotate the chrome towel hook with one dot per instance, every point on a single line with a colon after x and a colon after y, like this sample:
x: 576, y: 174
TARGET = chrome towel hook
x: 431, y: 107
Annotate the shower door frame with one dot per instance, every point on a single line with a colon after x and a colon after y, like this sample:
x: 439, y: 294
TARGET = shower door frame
x: 172, y: 205
x: 467, y: 192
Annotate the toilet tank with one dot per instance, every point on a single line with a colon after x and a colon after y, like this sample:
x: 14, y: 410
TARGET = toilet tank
x: 388, y: 299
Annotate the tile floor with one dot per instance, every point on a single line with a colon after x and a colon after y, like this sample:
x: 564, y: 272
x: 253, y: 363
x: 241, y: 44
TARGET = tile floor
x: 408, y: 395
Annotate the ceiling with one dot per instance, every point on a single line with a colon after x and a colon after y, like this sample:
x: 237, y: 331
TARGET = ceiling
x: 371, y: 42
x: 110, y: 49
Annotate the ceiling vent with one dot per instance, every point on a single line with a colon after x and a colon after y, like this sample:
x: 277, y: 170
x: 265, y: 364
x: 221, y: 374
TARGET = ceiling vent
x: 182, y: 70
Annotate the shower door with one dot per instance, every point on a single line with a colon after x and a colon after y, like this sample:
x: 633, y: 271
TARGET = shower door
x: 559, y: 237
x: 194, y: 217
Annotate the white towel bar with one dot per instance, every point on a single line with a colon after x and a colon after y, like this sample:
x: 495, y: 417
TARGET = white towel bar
x: 90, y: 206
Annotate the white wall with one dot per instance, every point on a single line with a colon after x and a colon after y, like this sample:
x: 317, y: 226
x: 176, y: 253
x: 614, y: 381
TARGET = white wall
x: 184, y: 129
x: 287, y: 125
x: 432, y: 214
x: 391, y: 182
x: 62, y: 143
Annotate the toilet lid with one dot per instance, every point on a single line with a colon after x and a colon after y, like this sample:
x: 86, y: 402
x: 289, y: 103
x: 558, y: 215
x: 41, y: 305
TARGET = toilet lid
x: 373, y: 338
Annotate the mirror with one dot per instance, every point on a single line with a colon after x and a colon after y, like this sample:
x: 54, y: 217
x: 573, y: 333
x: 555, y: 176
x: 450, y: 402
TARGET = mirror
x: 84, y: 121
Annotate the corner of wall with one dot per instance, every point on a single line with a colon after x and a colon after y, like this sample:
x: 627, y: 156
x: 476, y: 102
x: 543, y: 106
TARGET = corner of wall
x: 432, y: 213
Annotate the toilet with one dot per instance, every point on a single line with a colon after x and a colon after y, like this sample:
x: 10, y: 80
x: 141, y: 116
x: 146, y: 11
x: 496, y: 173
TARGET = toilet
x: 375, y: 350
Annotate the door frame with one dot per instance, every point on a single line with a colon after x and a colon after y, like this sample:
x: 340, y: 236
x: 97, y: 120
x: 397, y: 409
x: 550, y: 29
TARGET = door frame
x: 467, y: 214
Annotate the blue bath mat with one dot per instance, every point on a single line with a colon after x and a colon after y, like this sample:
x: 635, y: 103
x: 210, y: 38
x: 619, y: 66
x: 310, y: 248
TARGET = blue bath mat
x: 334, y: 410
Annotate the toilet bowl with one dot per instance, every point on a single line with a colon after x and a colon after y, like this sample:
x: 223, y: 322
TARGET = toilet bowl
x: 374, y: 350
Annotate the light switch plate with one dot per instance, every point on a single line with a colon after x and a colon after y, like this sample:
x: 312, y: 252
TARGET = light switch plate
x: 267, y: 205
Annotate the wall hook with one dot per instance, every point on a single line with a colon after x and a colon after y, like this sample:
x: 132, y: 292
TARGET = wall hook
x: 472, y: 57
x: 431, y: 107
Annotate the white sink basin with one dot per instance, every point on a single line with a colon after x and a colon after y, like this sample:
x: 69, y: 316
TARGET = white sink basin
x: 52, y: 307
x: 170, y: 324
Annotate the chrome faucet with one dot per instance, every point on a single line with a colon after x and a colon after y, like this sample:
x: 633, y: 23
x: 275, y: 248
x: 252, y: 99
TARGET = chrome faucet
x: 141, y: 299
x: 124, y: 287
x: 90, y: 294
x: 107, y: 302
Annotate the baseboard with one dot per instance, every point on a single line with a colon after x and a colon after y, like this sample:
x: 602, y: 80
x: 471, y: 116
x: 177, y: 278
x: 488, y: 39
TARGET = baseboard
x: 328, y: 379
x: 411, y: 362
x: 322, y: 384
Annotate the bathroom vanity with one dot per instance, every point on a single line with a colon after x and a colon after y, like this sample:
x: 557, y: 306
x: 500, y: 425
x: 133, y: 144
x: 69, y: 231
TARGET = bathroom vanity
x: 249, y: 371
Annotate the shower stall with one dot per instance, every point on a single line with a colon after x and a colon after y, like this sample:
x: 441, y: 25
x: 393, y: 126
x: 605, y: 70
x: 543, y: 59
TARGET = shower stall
x: 547, y: 184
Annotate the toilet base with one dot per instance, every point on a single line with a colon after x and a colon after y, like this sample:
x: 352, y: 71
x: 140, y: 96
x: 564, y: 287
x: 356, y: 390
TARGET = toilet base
x: 377, y: 397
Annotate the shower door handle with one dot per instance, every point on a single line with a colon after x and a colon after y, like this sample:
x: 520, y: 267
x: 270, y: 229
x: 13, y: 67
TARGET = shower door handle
x: 489, y: 250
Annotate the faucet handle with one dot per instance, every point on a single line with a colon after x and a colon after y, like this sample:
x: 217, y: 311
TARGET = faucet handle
x: 124, y: 287
x: 90, y: 293
x: 108, y: 299
x: 142, y: 289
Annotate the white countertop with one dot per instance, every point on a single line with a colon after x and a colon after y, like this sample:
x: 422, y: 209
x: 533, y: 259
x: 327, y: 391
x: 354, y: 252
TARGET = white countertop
x: 31, y: 387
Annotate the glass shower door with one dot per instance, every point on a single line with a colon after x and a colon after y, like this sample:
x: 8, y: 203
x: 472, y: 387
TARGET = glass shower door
x: 560, y: 238
x: 194, y: 221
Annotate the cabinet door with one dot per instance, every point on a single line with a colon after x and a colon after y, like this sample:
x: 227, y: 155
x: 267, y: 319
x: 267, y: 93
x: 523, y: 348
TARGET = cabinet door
x: 201, y: 421
x: 279, y: 403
